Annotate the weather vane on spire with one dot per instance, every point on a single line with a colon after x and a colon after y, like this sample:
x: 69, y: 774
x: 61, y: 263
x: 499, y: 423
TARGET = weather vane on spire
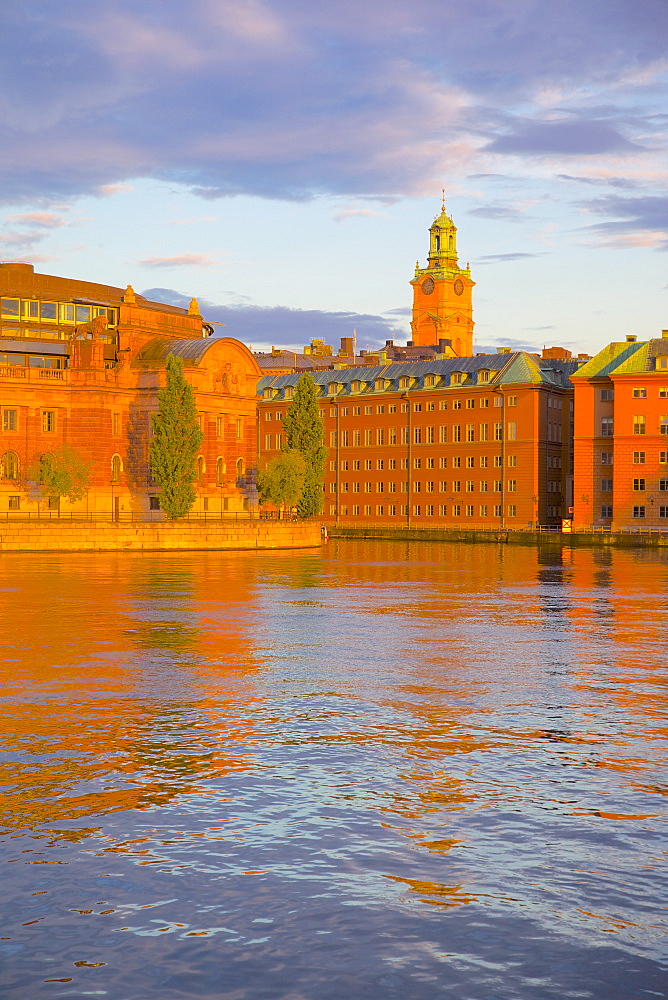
x: 443, y: 199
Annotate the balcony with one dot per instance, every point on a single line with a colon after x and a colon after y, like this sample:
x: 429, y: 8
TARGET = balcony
x: 27, y: 374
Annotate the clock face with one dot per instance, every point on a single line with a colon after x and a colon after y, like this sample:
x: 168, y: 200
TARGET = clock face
x: 427, y: 286
x: 458, y: 286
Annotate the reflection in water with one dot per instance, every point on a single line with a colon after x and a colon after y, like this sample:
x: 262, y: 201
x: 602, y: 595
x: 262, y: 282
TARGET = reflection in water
x: 383, y: 770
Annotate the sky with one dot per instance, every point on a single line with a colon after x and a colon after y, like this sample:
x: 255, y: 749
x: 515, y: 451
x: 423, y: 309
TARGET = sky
x: 282, y: 160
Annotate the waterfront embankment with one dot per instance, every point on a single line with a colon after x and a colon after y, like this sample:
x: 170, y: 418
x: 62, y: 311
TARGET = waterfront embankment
x: 163, y: 536
x: 576, y: 539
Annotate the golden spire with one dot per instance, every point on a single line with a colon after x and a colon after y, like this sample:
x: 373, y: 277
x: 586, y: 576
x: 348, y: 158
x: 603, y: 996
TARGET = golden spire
x: 442, y: 199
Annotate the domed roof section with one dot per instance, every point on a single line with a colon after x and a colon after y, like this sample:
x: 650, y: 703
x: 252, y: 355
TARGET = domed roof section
x: 194, y: 351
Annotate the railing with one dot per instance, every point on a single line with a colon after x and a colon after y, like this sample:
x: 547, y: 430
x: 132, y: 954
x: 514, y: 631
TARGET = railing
x: 34, y: 374
x: 154, y: 516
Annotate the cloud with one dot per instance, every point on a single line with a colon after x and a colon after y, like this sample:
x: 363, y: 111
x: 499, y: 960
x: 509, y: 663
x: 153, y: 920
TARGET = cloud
x: 286, y: 327
x: 287, y: 99
x: 41, y: 220
x: 499, y: 213
x: 566, y: 138
x: 181, y: 260
x: 20, y: 242
x: 503, y: 258
x: 640, y: 222
x: 347, y: 213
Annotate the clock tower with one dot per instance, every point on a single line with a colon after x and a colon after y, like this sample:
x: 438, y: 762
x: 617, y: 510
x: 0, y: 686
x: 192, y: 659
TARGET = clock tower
x: 442, y: 306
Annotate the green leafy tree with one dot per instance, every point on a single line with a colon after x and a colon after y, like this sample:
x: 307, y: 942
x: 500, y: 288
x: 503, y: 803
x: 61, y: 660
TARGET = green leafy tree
x: 304, y: 432
x: 177, y: 439
x: 62, y: 473
x: 282, y: 482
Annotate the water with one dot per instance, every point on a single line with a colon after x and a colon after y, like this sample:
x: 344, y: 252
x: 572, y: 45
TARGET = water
x: 384, y: 770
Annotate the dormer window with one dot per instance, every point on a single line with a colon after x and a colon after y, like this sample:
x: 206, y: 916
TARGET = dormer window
x: 380, y: 385
x: 430, y: 381
x: 289, y: 391
x: 457, y: 378
x: 404, y: 383
x: 483, y: 375
x: 267, y: 394
x: 333, y: 388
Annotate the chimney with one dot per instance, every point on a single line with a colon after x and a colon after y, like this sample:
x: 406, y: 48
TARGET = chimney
x: 630, y: 338
x: 664, y: 334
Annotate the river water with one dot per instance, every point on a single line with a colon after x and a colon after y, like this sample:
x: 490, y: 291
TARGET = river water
x: 380, y: 770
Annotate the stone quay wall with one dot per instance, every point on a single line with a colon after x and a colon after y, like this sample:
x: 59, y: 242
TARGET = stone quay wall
x: 544, y: 538
x: 112, y: 536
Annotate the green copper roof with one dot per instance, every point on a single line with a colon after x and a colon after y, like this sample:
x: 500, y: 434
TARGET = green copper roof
x: 637, y: 362
x: 608, y: 360
x: 521, y: 369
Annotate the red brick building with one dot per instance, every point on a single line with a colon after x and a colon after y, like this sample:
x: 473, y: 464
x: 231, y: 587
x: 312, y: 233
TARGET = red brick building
x: 621, y: 437
x: 477, y: 442
x: 80, y: 363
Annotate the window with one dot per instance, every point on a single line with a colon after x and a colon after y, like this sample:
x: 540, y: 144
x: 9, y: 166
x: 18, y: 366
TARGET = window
x: 663, y: 457
x: 512, y: 486
x: 429, y: 510
x: 357, y: 439
x: 443, y: 462
x: 511, y: 400
x: 417, y: 510
x: 368, y: 487
x: 456, y: 433
x: 639, y: 424
x: 663, y: 485
x: 498, y: 486
x: 417, y: 463
x: 498, y: 401
x: 220, y: 471
x: 429, y: 487
x: 333, y: 439
x: 443, y: 405
x: 443, y: 486
x: 417, y: 407
x: 606, y: 510
x: 470, y: 462
x: 638, y: 485
x: 444, y: 435
x: 483, y: 485
x: 457, y: 405
x: 430, y: 435
x: 238, y: 428
x: 240, y: 468
x: 484, y: 461
x: 356, y: 511
x: 443, y: 510
x: 368, y: 463
x: 498, y: 432
x: 512, y: 430
x: 380, y: 436
x: 663, y: 511
x: 640, y: 393
x: 380, y: 463
x: 663, y: 424
x: 391, y: 487
x: 638, y: 512
x: 154, y: 503
x: 607, y: 395
x: 368, y: 410
x: 392, y: 510
x: 48, y: 421
x: 391, y: 463
x: 392, y: 408
x: 607, y: 427
x: 116, y: 468
x: 512, y: 461
x: 345, y: 439
x: 9, y: 420
x: 391, y: 435
x: 483, y: 375
x: 356, y: 487
x: 431, y: 406
x: 470, y: 404
x: 269, y: 442
x: 470, y: 486
x: 456, y: 510
x: 606, y: 486
x: 638, y: 457
x: 14, y: 503
x: 115, y: 423
x: 357, y: 410
x: 456, y: 378
x: 484, y: 432
x: 497, y: 510
x: 663, y: 391
x: 457, y: 486
x: 417, y: 435
x: 344, y: 487
x: 483, y: 403
x: 512, y: 510
x: 367, y: 510
x: 498, y: 461
x: 368, y: 437
x: 606, y: 458
x: 483, y: 510
x: 380, y: 510
x: 405, y: 407
x: 380, y: 488
x: 470, y: 432
x: 469, y: 510
x: 9, y: 466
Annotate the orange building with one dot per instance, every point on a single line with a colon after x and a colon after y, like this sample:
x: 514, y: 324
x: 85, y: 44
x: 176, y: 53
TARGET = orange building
x: 442, y: 294
x: 474, y: 442
x: 621, y: 437
x: 81, y: 363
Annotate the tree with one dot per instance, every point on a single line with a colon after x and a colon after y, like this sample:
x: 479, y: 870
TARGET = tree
x: 303, y: 430
x: 177, y: 439
x: 282, y: 482
x: 62, y: 473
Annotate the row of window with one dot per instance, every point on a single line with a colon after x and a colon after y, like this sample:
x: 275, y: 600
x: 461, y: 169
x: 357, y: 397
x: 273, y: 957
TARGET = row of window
x: 10, y: 467
x: 639, y: 511
x: 456, y: 462
x: 32, y: 361
x: 639, y: 457
x: 639, y: 425
x: 639, y: 485
x: 430, y: 486
x: 607, y: 395
x: 445, y: 434
x: 10, y: 420
x: 456, y: 510
x: 30, y: 310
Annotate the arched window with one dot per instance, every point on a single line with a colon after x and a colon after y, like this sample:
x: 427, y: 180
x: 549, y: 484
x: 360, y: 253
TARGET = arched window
x: 240, y: 468
x: 220, y: 471
x: 9, y: 465
x: 201, y: 467
x: 116, y: 467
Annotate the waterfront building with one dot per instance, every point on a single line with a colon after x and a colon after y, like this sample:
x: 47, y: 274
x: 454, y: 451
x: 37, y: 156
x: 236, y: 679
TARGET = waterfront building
x: 479, y: 441
x: 81, y: 363
x: 621, y: 436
